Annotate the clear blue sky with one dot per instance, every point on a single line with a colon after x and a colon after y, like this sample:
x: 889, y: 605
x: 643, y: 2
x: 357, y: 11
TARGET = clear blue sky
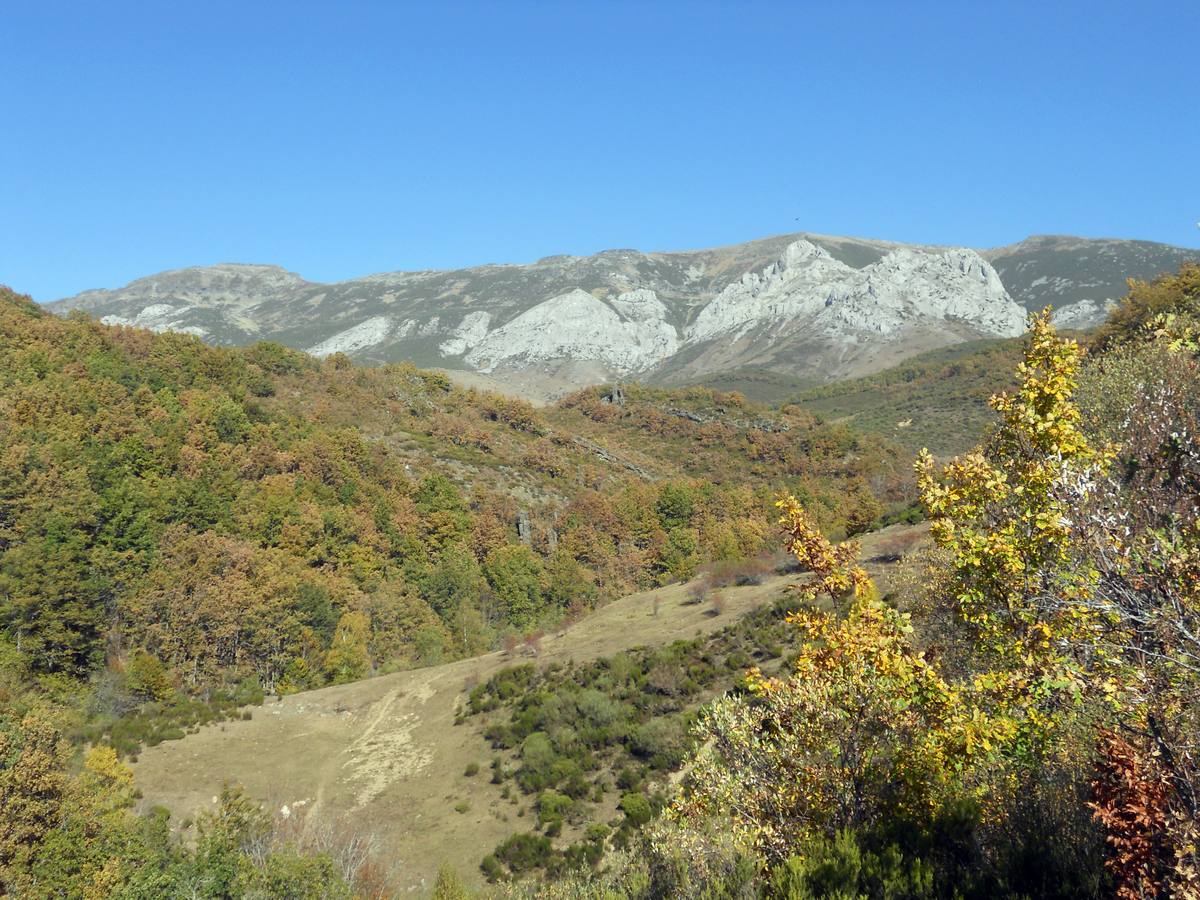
x: 339, y: 139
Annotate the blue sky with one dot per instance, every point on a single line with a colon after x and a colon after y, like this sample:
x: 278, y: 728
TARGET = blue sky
x: 340, y: 139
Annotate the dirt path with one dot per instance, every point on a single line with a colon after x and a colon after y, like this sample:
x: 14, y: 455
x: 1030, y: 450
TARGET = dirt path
x: 385, y: 755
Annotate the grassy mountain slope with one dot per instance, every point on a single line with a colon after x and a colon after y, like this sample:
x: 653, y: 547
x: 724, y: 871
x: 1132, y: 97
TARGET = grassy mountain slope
x: 936, y: 400
x: 1056, y: 270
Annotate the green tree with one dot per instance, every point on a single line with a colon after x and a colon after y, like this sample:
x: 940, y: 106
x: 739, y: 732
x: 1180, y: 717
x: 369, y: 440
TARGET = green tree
x: 676, y: 502
x: 147, y: 677
x: 348, y: 658
x: 517, y: 580
x: 454, y: 581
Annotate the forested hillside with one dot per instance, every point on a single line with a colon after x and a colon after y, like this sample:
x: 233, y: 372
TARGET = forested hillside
x: 258, y: 514
x: 185, y: 528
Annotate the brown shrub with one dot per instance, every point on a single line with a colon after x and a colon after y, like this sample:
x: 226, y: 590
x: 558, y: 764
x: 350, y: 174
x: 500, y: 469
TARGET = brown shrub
x: 698, y: 591
x: 533, y: 642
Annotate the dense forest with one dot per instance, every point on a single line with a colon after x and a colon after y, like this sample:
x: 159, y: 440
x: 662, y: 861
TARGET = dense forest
x: 257, y: 514
x: 184, y: 528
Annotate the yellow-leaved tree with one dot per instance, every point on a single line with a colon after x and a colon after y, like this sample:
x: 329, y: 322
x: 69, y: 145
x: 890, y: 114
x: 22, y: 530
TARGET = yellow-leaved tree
x: 1003, y: 512
x: 862, y: 729
x: 1078, y: 568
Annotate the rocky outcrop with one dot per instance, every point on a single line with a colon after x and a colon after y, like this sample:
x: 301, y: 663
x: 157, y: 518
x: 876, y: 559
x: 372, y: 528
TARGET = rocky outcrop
x: 808, y: 288
x: 805, y: 290
x: 370, y: 333
x: 1083, y: 314
x: 628, y: 334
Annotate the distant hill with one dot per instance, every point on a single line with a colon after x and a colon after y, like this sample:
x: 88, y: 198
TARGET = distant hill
x: 1080, y: 277
x: 937, y: 400
x: 803, y: 308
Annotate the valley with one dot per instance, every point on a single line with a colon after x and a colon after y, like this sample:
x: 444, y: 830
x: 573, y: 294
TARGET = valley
x: 254, y: 599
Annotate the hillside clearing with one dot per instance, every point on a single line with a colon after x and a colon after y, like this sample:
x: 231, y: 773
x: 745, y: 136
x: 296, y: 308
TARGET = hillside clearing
x: 385, y: 755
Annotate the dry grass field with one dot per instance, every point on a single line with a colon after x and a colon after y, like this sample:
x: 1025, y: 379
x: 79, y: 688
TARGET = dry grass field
x: 383, y: 756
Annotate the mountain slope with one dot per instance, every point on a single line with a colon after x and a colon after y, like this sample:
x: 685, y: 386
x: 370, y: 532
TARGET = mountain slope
x: 937, y: 400
x: 1082, y: 278
x: 807, y: 306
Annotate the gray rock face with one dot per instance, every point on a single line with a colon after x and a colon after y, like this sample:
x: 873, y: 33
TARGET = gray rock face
x: 808, y: 288
x: 1083, y: 314
x: 804, y: 305
x: 629, y: 333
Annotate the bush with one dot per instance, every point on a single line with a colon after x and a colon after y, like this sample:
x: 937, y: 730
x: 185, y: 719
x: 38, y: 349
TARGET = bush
x: 449, y: 886
x: 537, y: 758
x: 662, y: 741
x: 524, y: 852
x: 629, y: 779
x: 840, y: 868
x: 637, y: 809
x: 147, y: 678
x: 552, y: 808
x: 491, y: 868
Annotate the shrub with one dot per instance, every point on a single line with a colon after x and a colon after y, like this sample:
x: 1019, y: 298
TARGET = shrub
x: 637, y: 809
x: 449, y: 886
x: 491, y: 868
x: 629, y: 779
x: 662, y: 741
x: 552, y: 808
x: 524, y: 852
x: 147, y: 677
x: 840, y: 868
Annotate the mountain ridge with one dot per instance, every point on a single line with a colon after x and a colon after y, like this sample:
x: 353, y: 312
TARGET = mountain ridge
x: 802, y: 304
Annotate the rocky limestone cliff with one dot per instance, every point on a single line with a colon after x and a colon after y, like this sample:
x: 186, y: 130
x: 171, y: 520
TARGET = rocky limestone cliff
x: 808, y: 288
x: 802, y: 305
x: 628, y: 334
x: 804, y: 292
